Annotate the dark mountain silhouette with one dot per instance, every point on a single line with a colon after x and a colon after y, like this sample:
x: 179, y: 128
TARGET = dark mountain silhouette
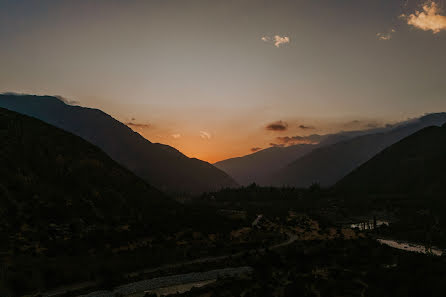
x: 69, y: 213
x: 161, y: 165
x: 49, y: 176
x: 328, y: 164
x: 413, y: 166
x: 259, y: 166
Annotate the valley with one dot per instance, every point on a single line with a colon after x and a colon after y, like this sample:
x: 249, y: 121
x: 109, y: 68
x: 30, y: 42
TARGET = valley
x: 74, y: 203
x: 208, y: 148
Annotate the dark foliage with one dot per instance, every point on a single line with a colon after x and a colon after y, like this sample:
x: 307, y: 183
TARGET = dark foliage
x: 64, y: 202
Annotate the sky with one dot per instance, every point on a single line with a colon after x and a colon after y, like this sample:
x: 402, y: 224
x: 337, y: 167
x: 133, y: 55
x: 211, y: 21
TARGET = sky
x: 218, y: 79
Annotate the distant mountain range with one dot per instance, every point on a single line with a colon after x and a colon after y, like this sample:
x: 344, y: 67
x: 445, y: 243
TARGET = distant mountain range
x: 413, y: 166
x: 258, y: 166
x: 161, y: 165
x: 326, y: 162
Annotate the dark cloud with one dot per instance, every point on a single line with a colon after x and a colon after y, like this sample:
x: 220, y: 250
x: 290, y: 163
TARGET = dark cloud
x: 255, y: 149
x: 293, y: 140
x: 137, y: 125
x: 277, y: 126
x: 306, y: 127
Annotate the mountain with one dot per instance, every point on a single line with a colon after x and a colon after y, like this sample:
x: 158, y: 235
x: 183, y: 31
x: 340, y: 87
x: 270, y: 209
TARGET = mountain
x: 255, y: 167
x: 161, y: 165
x: 328, y: 164
x: 49, y: 176
x: 413, y: 166
x: 259, y: 166
x: 69, y: 213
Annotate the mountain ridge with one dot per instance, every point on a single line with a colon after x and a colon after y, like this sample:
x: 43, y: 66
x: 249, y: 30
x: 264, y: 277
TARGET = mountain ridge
x: 161, y: 165
x: 52, y: 176
x: 260, y: 167
x: 328, y: 164
x: 413, y: 166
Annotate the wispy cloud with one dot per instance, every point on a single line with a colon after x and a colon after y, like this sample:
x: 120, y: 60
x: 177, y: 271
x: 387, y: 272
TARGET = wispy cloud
x: 362, y: 124
x: 385, y: 35
x: 176, y: 136
x: 428, y: 18
x: 277, y: 126
x: 293, y: 140
x: 205, y: 135
x: 61, y: 98
x: 277, y: 40
x: 66, y: 100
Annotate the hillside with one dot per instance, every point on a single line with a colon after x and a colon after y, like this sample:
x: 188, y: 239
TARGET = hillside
x: 63, y: 202
x: 161, y: 165
x: 328, y: 164
x: 259, y: 167
x: 49, y: 176
x: 255, y: 167
x: 413, y: 166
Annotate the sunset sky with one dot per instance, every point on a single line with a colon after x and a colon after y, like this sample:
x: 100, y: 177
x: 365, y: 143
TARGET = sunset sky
x: 218, y: 79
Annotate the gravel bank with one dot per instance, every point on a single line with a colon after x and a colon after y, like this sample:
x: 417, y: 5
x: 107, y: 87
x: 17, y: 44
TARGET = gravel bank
x: 166, y: 281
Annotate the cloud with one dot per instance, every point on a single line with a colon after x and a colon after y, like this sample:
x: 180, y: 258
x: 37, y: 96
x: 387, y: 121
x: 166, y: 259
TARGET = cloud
x: 137, y: 125
x: 277, y: 40
x: 255, y: 149
x: 277, y: 126
x: 61, y: 98
x: 361, y: 124
x: 306, y: 127
x: 67, y: 101
x: 429, y: 18
x: 293, y: 140
x: 205, y: 135
x: 385, y: 35
x: 176, y: 136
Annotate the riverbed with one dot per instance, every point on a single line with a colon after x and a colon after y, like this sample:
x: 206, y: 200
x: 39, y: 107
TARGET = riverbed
x: 410, y: 247
x: 179, y: 281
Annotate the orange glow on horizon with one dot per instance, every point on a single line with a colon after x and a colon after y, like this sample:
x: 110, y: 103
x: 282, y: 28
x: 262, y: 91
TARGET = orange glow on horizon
x: 201, y: 146
x: 241, y: 138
